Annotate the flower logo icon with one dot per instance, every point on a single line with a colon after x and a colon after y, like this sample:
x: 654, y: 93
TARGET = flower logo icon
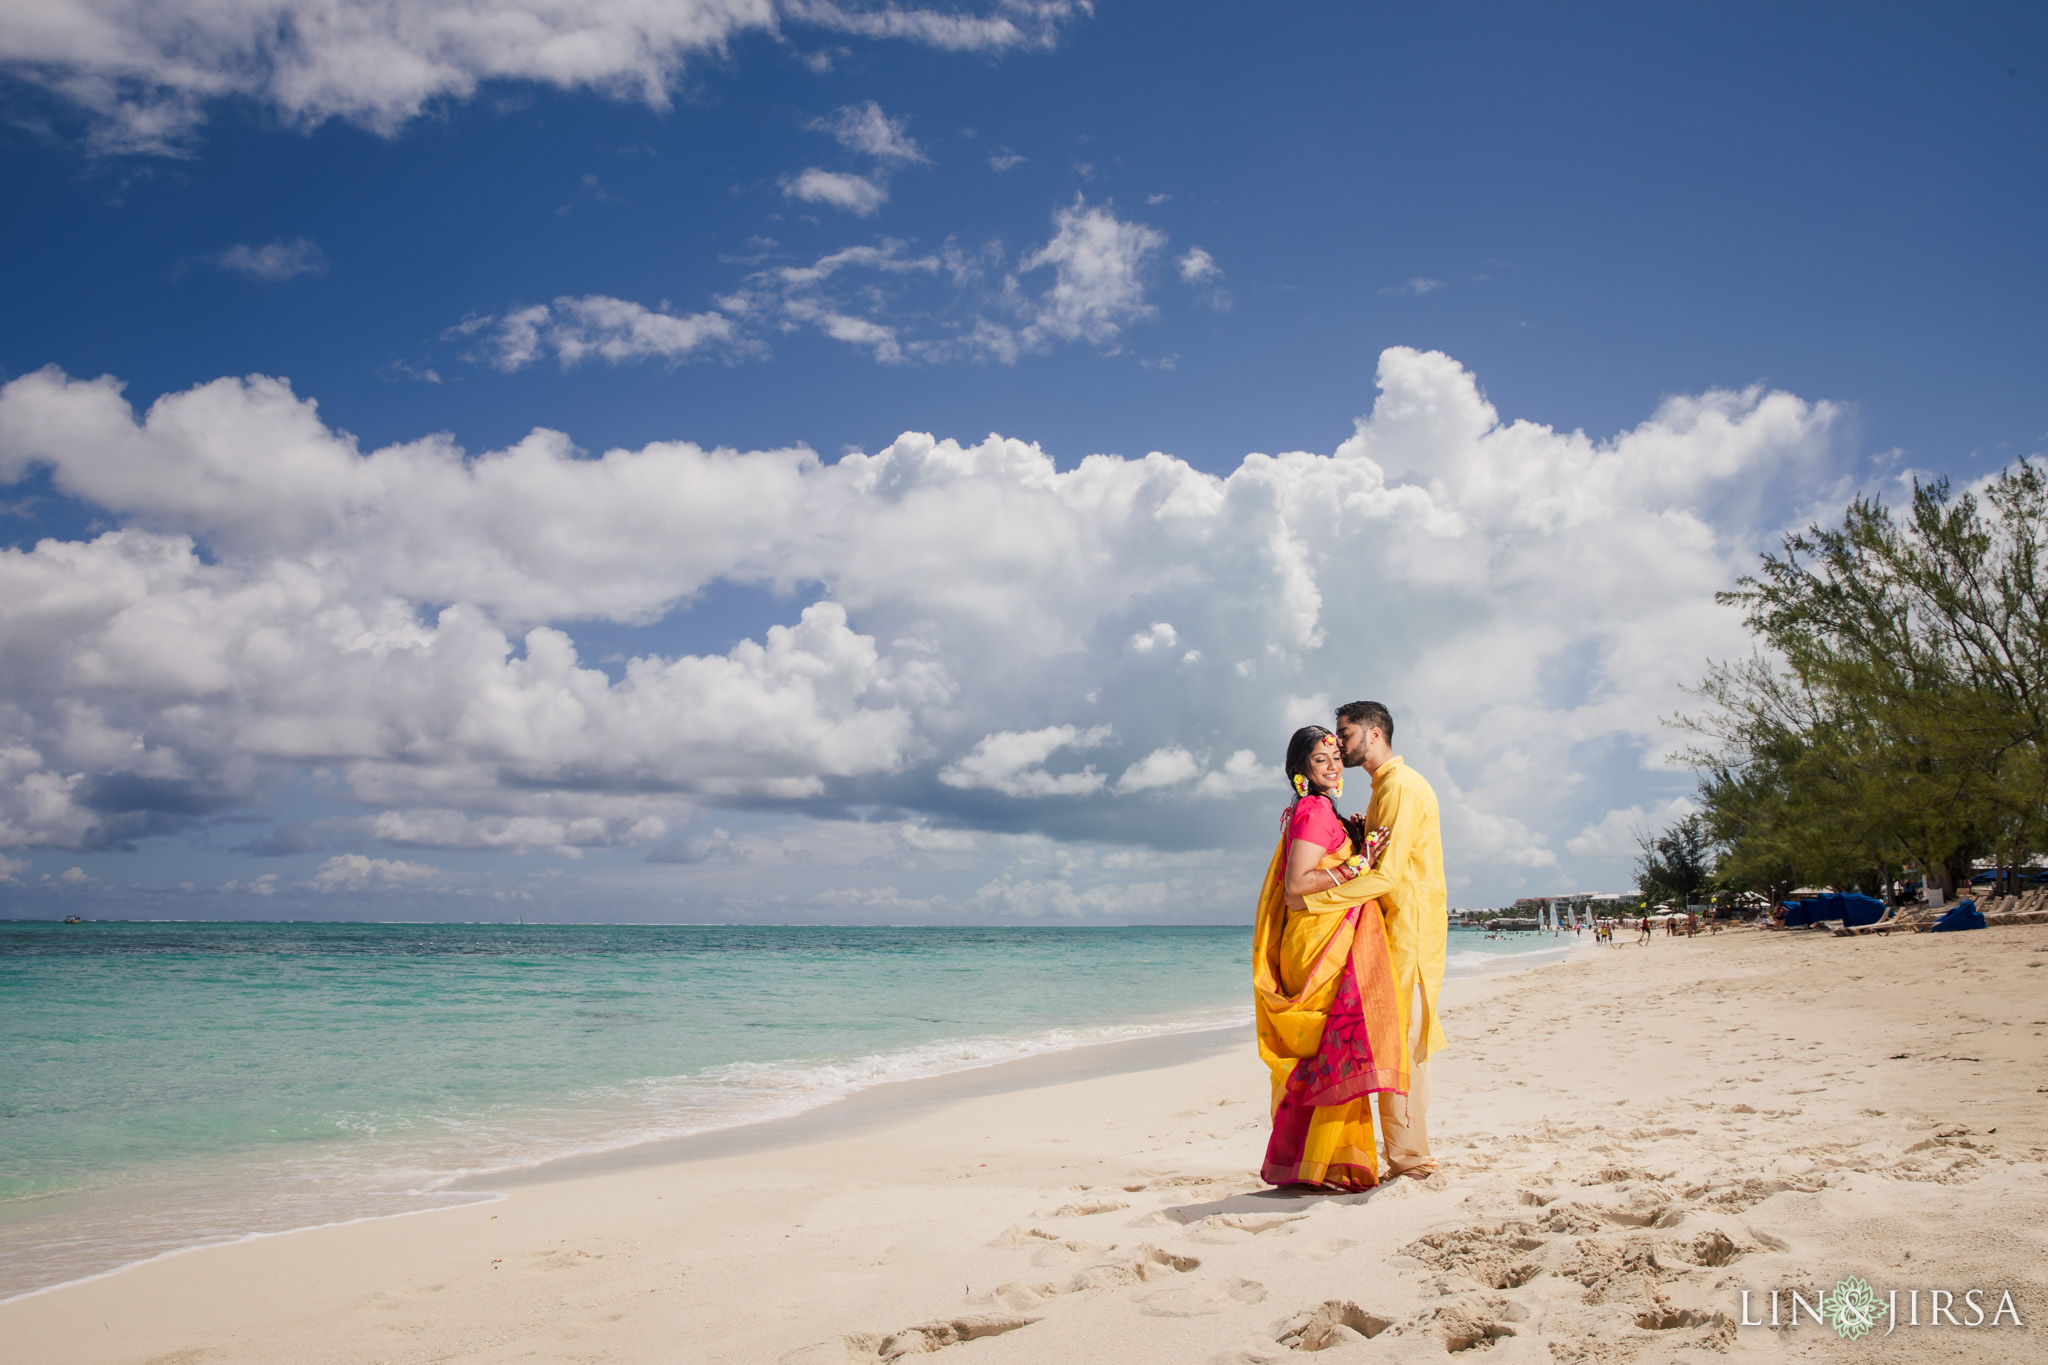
x: 1851, y: 1309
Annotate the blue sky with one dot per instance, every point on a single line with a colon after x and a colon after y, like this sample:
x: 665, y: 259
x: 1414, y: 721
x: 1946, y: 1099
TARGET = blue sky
x: 1761, y: 259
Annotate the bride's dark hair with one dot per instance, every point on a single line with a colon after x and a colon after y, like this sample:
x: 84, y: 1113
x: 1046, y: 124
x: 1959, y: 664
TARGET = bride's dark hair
x: 1298, y: 749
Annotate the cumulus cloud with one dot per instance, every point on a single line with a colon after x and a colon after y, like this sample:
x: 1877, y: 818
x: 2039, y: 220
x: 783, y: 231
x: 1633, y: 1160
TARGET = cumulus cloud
x: 984, y: 630
x: 1005, y: 160
x: 1013, y: 763
x: 859, y: 195
x: 1098, y: 262
x: 147, y: 71
x: 595, y: 326
x: 565, y: 836
x: 355, y: 872
x: 1615, y: 837
x: 1168, y: 767
x: 1240, y: 775
x: 11, y: 869
x: 273, y: 261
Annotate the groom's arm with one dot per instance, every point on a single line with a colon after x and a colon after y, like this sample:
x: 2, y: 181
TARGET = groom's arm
x: 1401, y: 816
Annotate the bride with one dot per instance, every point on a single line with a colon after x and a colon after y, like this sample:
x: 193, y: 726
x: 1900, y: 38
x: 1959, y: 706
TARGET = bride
x: 1325, y: 993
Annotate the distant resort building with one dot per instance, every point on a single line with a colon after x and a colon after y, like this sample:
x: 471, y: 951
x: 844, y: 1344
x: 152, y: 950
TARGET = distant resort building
x: 1554, y: 913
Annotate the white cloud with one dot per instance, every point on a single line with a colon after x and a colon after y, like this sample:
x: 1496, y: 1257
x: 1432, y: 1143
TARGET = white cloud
x: 355, y: 872
x: 565, y: 836
x: 1417, y: 285
x: 147, y: 70
x: 75, y: 876
x: 11, y: 870
x: 864, y: 128
x: 1013, y: 24
x: 1241, y: 775
x: 980, y: 620
x: 1005, y: 160
x: 812, y: 296
x: 1199, y: 270
x: 1613, y: 837
x: 859, y: 195
x: 1159, y: 635
x: 868, y: 297
x: 1013, y: 763
x: 1167, y: 767
x: 595, y: 326
x: 1098, y: 262
x: 273, y: 261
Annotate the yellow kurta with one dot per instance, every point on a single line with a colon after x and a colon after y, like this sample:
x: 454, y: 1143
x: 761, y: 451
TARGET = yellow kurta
x: 1409, y: 885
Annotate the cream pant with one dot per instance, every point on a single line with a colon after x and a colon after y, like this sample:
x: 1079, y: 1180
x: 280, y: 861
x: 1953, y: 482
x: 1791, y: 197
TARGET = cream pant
x: 1404, y: 1119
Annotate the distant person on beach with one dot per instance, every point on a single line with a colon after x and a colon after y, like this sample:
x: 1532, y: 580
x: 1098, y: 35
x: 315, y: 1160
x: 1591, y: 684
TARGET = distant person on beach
x: 1408, y: 882
x: 1645, y: 939
x: 1323, y: 986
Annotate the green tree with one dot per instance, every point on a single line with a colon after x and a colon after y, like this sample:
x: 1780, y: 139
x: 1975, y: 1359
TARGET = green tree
x: 1675, y: 865
x: 1902, y: 705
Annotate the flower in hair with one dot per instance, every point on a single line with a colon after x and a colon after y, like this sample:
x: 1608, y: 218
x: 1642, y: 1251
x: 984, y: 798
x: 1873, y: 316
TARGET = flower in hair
x: 1300, y: 785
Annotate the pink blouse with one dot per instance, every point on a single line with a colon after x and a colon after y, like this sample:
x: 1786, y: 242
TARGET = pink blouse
x: 1314, y: 819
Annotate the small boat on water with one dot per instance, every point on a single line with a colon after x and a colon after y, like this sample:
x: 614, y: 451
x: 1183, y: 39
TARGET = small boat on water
x: 73, y: 919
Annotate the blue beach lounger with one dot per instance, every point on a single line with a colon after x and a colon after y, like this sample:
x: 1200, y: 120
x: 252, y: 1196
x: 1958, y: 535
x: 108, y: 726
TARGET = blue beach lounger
x: 1966, y: 915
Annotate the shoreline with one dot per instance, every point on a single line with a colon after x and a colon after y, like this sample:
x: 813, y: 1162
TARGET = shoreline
x: 862, y: 1110
x: 858, y: 1091
x: 857, y: 1110
x: 1744, y: 1110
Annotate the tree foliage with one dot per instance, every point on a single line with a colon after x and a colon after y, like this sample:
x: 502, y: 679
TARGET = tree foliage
x: 1896, y: 708
x: 1675, y: 865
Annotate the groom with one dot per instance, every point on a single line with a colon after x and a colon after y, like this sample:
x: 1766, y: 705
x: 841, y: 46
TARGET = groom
x: 1409, y: 884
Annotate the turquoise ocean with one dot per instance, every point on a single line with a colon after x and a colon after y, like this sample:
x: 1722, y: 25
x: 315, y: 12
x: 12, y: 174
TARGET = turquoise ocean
x: 170, y: 1085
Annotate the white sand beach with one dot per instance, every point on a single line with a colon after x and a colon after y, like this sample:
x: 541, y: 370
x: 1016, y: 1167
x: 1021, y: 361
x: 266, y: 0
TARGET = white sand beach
x: 1631, y: 1137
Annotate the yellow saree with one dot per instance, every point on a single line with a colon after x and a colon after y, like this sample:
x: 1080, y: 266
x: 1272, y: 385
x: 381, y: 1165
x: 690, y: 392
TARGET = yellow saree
x: 1329, y: 1029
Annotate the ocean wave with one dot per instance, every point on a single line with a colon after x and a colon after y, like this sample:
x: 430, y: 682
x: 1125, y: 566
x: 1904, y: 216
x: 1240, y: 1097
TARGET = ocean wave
x: 1475, y: 963
x: 741, y: 1093
x: 403, y: 1166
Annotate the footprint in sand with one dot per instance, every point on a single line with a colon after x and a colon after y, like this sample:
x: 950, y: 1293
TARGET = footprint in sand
x: 1142, y: 1264
x: 870, y: 1348
x: 1200, y: 1300
x: 1221, y: 1229
x: 1066, y: 1251
x: 1328, y: 1251
x: 1334, y: 1322
x: 1465, y: 1326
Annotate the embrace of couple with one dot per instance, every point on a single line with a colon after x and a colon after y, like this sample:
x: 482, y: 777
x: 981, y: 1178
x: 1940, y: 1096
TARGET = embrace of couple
x: 1348, y: 960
